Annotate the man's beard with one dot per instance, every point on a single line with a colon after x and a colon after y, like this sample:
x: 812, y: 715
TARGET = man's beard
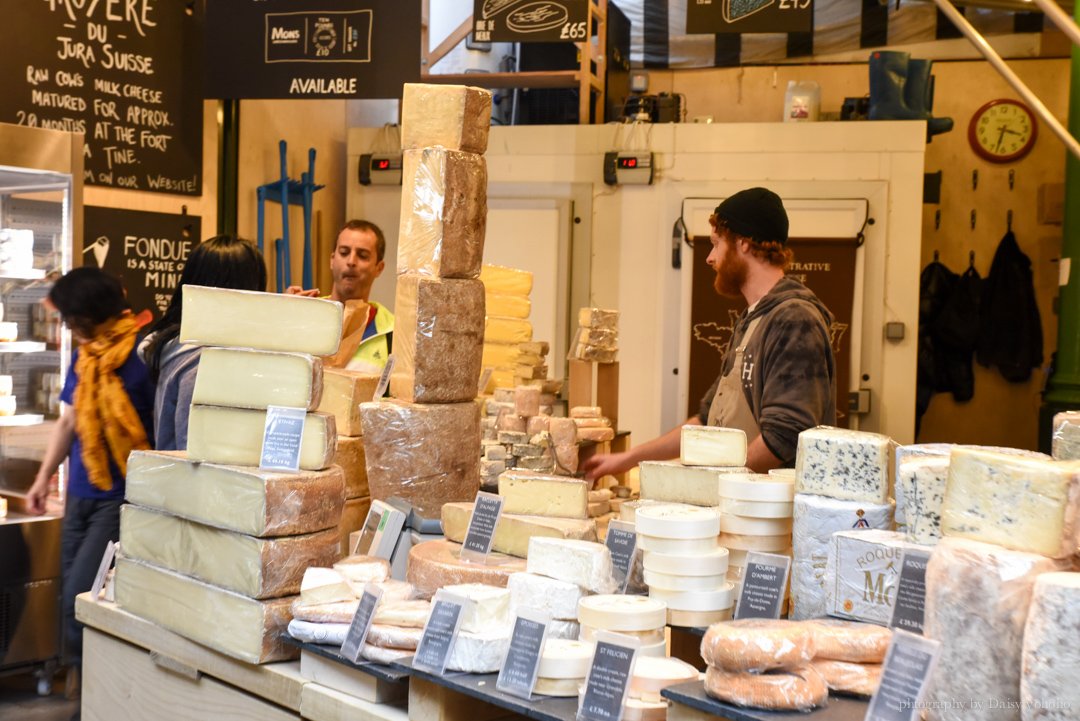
x: 731, y: 274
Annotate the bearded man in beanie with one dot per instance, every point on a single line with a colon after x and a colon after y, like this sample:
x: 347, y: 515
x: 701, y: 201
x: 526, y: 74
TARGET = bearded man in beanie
x: 778, y: 376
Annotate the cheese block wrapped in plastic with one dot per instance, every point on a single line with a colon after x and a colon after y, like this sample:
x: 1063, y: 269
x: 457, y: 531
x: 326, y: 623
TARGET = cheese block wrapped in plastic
x: 856, y: 679
x: 427, y: 455
x: 507, y: 281
x: 243, y: 499
x: 599, y: 338
x: 456, y: 117
x: 261, y: 321
x: 799, y: 689
x: 443, y: 213
x: 815, y: 519
x: 385, y: 636
x: 405, y: 614
x: 843, y: 464
x: 234, y: 436
x: 256, y: 567
x: 977, y: 601
x: 330, y: 634
x: 256, y: 379
x: 1066, y: 440
x: 514, y: 531
x: 755, y: 645
x: 1051, y: 653
x: 490, y: 607
x: 349, y: 455
x: 237, y: 626
x: 850, y: 641
x: 598, y: 318
x: 363, y: 569
x: 1026, y: 504
x: 394, y: 592
x: 434, y: 564
x: 438, y: 339
x: 593, y: 353
x: 343, y: 392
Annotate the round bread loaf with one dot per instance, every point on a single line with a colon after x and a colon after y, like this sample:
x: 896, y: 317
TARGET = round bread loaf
x: 857, y: 679
x: 757, y: 644
x: 852, y: 641
x: 799, y: 689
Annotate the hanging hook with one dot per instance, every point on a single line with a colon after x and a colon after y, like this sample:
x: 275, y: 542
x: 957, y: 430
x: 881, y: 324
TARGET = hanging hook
x: 1008, y: 220
x: 975, y: 179
x: 937, y: 222
x: 971, y: 259
x: 973, y: 219
x: 1012, y: 178
x: 936, y: 256
x: 186, y: 229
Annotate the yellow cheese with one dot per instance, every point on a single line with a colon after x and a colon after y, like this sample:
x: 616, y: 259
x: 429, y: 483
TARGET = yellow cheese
x: 509, y: 306
x: 507, y: 330
x: 257, y: 379
x: 234, y: 436
x: 343, y: 392
x: 535, y: 494
x: 509, y: 281
x: 514, y: 531
x: 456, y: 117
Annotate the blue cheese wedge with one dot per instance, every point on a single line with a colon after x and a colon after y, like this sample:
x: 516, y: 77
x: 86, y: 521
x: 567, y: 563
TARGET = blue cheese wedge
x: 843, y: 464
x: 920, y: 483
x: 1025, y: 504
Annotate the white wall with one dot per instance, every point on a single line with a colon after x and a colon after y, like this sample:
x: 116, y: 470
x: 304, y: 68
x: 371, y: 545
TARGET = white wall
x: 629, y: 236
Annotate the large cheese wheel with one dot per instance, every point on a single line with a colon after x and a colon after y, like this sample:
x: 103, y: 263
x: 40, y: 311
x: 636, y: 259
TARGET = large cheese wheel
x: 733, y: 524
x: 677, y: 520
x: 799, y: 689
x: 670, y: 582
x: 852, y: 641
x: 565, y: 659
x: 699, y: 619
x: 683, y: 546
x: 636, y: 709
x: 612, y: 612
x: 757, y: 487
x: 650, y: 637
x: 712, y: 563
x: 756, y: 509
x: 857, y: 679
x: 757, y: 645
x: 434, y: 564
x: 714, y: 600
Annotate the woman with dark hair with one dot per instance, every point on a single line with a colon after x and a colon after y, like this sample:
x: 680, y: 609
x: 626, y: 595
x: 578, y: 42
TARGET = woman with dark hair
x: 220, y: 262
x: 110, y: 400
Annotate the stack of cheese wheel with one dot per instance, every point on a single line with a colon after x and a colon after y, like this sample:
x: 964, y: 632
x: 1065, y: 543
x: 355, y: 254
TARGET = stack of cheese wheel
x: 762, y: 663
x: 637, y: 616
x: 564, y: 663
x: 652, y: 675
x: 685, y: 567
x: 755, y: 515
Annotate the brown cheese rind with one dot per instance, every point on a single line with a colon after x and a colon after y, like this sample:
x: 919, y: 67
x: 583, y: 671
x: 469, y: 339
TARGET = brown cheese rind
x: 799, y: 689
x: 852, y: 641
x: 434, y: 564
x: 350, y: 456
x: 754, y: 645
x: 426, y: 454
x: 438, y: 339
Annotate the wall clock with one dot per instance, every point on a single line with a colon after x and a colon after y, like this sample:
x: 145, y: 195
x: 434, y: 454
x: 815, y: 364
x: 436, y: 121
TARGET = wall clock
x: 1003, y: 130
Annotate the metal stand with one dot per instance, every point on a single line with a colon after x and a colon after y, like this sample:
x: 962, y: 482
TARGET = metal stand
x: 289, y: 192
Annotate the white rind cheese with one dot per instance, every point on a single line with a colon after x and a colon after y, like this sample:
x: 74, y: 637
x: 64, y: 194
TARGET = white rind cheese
x: 324, y: 585
x: 715, y: 600
x: 758, y: 487
x: 261, y: 321
x: 622, y: 613
x: 550, y: 595
x: 565, y: 658
x: 712, y: 446
x: 843, y: 464
x: 755, y: 509
x: 862, y: 573
x: 677, y: 545
x: 233, y: 436
x: 746, y: 526
x: 1020, y: 503
x: 1051, y: 661
x: 489, y: 610
x: 674, y: 482
x: 678, y: 521
x: 564, y: 629
x: 977, y: 601
x: 257, y: 379
x: 712, y: 563
x: 481, y: 652
x: 816, y: 519
x: 743, y: 542
x: 584, y: 563
x: 920, y: 487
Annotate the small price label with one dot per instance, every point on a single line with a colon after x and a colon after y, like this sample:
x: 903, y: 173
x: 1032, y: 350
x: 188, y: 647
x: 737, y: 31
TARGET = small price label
x: 361, y: 623
x: 440, y: 632
x: 908, y: 664
x: 763, y: 586
x: 282, y: 436
x: 621, y: 540
x: 521, y: 664
x: 911, y: 592
x: 384, y: 379
x: 609, y: 677
x: 103, y: 568
x: 481, y: 533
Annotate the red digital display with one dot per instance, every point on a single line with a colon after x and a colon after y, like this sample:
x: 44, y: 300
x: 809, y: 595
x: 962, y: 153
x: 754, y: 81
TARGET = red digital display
x: 627, y: 162
x: 382, y: 164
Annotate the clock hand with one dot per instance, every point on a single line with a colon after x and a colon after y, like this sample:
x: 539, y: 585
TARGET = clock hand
x: 1013, y: 132
x: 1001, y: 137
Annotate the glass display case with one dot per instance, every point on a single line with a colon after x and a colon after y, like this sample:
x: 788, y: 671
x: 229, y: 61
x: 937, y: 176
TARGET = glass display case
x: 40, y: 216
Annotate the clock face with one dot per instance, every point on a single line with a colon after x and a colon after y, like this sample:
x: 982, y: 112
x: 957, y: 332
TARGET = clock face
x: 1002, y: 131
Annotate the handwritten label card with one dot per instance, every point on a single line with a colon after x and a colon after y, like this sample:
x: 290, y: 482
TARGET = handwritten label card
x: 763, y: 586
x: 281, y: 438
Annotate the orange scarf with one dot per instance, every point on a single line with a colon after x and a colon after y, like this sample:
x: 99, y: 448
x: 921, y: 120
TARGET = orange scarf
x: 103, y: 411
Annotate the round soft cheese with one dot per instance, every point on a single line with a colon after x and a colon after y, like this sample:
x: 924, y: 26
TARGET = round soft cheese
x: 684, y: 546
x: 658, y: 649
x: 612, y: 612
x: 721, y: 598
x: 755, y: 509
x: 677, y: 520
x: 758, y: 487
x: 565, y: 659
x: 743, y: 525
x: 669, y: 582
x: 652, y: 636
x: 698, y: 619
x: 563, y: 687
x: 742, y: 542
x: 712, y: 563
x: 635, y: 709
x: 653, y: 674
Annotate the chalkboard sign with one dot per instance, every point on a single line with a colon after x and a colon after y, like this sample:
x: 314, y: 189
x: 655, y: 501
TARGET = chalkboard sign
x: 750, y: 16
x: 125, y: 74
x: 910, y: 603
x: 311, y: 48
x: 523, y: 21
x: 147, y: 250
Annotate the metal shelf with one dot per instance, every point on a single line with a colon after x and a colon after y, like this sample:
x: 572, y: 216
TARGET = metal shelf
x: 23, y: 346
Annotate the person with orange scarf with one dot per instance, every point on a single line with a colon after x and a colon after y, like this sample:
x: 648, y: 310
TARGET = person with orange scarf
x: 109, y: 413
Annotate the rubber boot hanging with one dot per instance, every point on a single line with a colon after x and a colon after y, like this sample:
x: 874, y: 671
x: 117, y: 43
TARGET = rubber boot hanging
x: 919, y: 97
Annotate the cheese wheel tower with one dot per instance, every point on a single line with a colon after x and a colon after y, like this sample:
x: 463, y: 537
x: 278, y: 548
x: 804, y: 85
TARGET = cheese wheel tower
x: 638, y: 616
x: 209, y: 535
